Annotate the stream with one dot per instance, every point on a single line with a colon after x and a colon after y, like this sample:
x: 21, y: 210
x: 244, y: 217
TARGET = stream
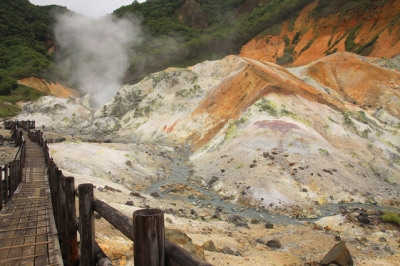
x: 180, y: 171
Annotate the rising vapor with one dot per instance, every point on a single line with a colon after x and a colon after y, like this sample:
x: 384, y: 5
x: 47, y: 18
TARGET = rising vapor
x: 95, y: 55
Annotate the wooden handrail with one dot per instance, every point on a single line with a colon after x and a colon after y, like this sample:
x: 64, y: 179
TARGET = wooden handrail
x: 12, y: 170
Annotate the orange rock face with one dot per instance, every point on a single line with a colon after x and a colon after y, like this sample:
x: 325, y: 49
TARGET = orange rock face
x: 56, y: 89
x: 236, y: 94
x: 359, y: 81
x: 376, y: 34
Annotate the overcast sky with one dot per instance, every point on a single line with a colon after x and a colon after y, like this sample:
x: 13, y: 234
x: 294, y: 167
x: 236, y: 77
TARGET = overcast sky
x: 91, y: 8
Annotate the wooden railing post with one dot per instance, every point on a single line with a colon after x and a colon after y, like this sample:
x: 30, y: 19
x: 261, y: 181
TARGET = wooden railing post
x: 70, y: 212
x: 63, y: 217
x: 149, y: 237
x: 1, y: 188
x: 11, y: 179
x: 6, y: 183
x: 57, y: 214
x: 86, y: 223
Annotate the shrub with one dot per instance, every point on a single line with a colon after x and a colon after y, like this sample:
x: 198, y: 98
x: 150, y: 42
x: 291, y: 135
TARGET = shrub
x: 391, y: 217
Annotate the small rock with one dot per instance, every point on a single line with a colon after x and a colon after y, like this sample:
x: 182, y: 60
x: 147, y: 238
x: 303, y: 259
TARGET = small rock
x: 274, y: 243
x: 254, y: 221
x: 168, y: 220
x: 222, y: 170
x: 253, y: 165
x: 193, y: 212
x: 227, y: 250
x: 213, y: 180
x: 237, y: 253
x: 100, y: 189
x: 338, y: 238
x: 237, y: 220
x: 382, y: 239
x: 363, y: 219
x: 129, y: 203
x: 219, y: 208
x: 136, y: 194
x: 269, y: 225
x: 260, y: 241
x: 155, y: 194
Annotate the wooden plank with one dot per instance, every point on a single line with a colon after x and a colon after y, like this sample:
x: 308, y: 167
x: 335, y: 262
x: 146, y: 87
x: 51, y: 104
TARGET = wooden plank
x: 20, y: 258
x: 31, y: 235
x: 27, y: 222
x: 18, y: 229
x: 15, y: 249
x: 26, y: 245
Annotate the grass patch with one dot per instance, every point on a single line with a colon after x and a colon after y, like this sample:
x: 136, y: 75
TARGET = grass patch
x: 8, y: 103
x: 239, y: 166
x: 323, y: 151
x: 265, y: 105
x: 349, y: 42
x: 391, y: 217
x: 287, y: 113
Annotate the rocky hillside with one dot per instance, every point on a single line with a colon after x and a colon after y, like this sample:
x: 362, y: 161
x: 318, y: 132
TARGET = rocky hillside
x: 318, y: 31
x: 260, y: 134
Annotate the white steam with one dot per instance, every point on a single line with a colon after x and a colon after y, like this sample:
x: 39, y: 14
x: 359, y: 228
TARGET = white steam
x: 97, y: 52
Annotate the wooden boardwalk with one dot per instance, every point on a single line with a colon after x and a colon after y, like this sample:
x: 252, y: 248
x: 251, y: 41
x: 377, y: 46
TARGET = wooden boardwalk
x: 28, y: 235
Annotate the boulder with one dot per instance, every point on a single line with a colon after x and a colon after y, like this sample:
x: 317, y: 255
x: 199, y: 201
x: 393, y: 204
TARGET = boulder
x: 227, y: 250
x: 255, y: 221
x: 182, y: 239
x: 338, y: 255
x: 269, y: 225
x: 209, y: 246
x: 129, y: 203
x: 237, y: 220
x: 274, y: 243
x: 213, y: 180
x: 155, y: 194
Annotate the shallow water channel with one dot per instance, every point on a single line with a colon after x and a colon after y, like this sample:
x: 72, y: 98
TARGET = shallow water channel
x: 180, y: 171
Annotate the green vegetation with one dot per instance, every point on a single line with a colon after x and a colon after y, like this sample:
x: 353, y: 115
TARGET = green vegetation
x: 349, y: 42
x: 268, y: 106
x: 26, y: 34
x: 391, y: 217
x: 287, y: 113
x: 8, y: 103
x: 326, y: 8
x: 188, y: 93
x: 323, y: 151
x: 230, y: 133
x: 226, y: 34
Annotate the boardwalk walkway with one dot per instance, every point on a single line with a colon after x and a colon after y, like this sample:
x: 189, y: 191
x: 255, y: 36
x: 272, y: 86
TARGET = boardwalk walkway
x: 27, y: 230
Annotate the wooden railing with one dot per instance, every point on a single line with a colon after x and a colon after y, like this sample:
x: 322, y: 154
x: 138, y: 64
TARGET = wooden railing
x: 8, y: 124
x: 13, y: 170
x: 145, y: 228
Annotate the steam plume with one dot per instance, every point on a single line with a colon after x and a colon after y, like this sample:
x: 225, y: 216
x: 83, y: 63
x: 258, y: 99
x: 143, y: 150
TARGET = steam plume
x: 95, y: 52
